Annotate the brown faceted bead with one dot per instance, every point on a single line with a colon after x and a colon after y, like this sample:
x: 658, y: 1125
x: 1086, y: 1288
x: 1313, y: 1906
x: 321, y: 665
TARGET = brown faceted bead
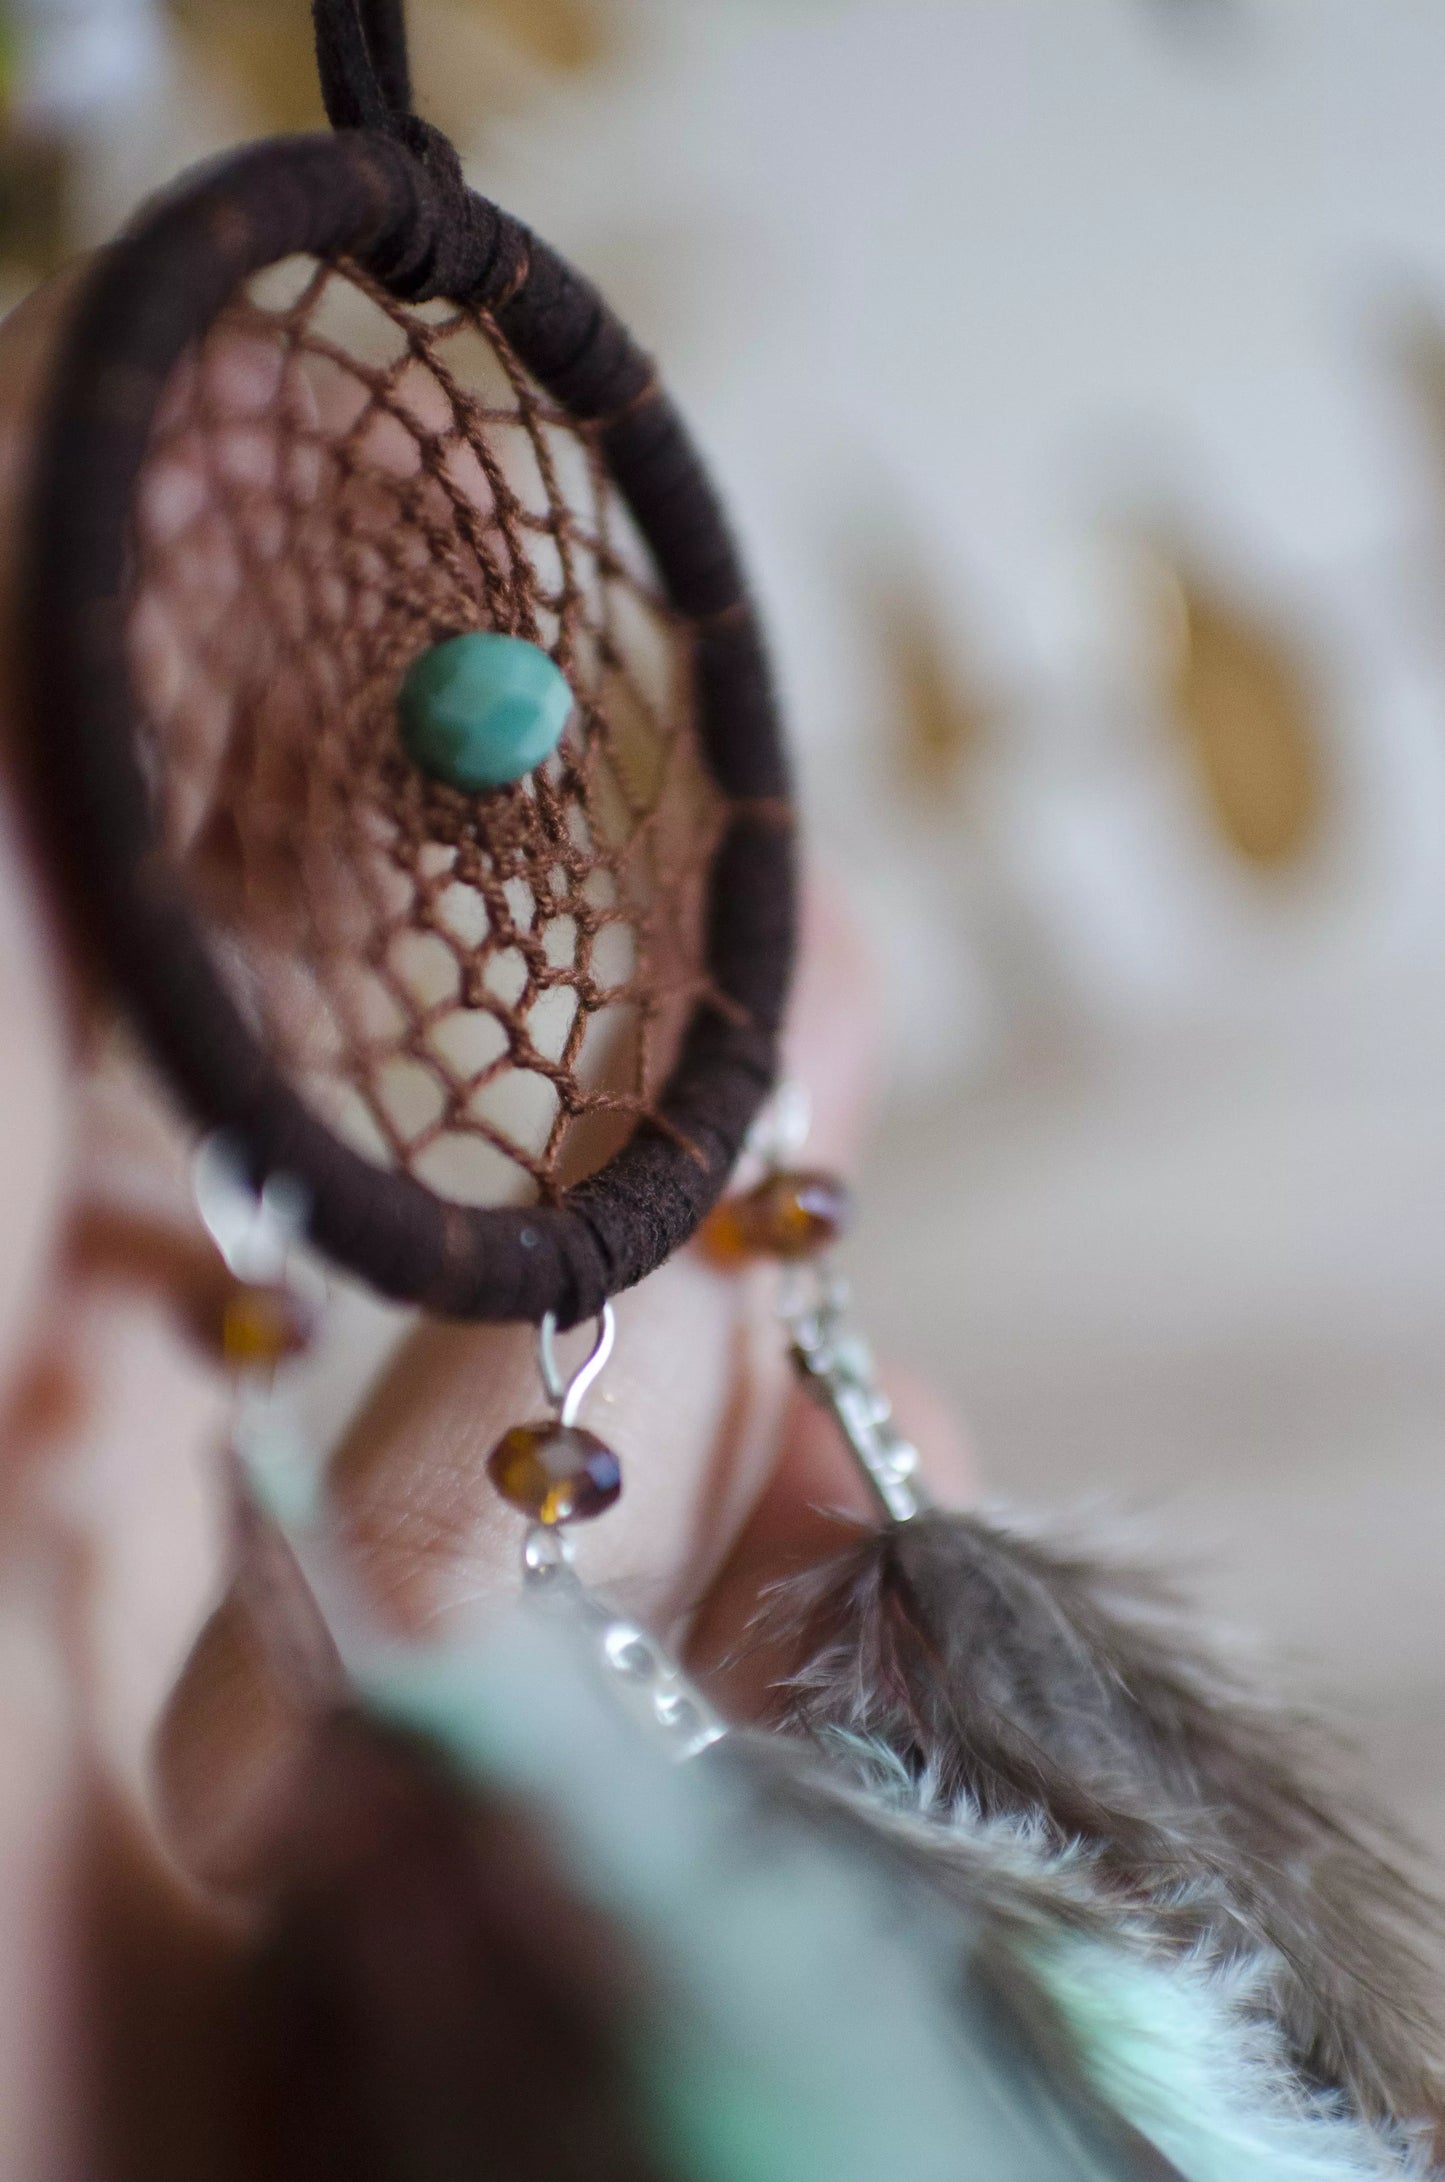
x: 254, y: 1327
x: 787, y: 1216
x: 556, y: 1473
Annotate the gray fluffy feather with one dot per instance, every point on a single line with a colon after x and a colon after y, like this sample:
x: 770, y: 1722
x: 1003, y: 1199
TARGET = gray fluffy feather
x: 1015, y: 1683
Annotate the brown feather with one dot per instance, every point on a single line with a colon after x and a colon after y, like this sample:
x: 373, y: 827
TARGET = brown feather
x: 1019, y: 1681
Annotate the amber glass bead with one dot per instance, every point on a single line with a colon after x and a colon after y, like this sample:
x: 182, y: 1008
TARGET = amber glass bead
x: 556, y: 1473
x: 261, y: 1326
x: 788, y: 1216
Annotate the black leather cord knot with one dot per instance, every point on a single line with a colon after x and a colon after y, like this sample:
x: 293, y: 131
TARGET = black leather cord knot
x: 452, y: 244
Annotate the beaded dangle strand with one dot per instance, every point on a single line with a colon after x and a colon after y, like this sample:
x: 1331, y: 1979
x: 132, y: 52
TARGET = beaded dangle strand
x: 796, y: 1216
x: 552, y: 1470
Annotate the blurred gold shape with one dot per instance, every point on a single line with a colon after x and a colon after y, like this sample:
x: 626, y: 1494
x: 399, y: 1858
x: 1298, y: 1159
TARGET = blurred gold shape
x: 565, y: 36
x: 1243, y: 700
x: 941, y: 718
x: 264, y: 49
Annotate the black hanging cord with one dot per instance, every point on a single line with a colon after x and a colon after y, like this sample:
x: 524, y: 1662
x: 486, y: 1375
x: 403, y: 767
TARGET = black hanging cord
x: 361, y: 55
x: 385, y: 25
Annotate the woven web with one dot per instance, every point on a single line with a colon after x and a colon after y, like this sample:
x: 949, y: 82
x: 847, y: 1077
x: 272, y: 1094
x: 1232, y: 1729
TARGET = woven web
x: 484, y: 991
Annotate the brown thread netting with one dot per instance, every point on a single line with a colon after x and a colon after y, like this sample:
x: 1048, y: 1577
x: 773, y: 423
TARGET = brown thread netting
x: 485, y: 992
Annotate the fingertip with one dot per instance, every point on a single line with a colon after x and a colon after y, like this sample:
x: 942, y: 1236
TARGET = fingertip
x: 228, y: 1736
x: 831, y: 1044
x: 928, y: 1419
x: 814, y: 1505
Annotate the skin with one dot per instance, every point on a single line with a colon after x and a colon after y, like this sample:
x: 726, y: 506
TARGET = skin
x: 142, y: 1729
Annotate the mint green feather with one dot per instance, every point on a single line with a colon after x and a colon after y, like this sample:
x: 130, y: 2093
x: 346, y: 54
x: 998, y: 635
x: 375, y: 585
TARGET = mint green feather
x: 818, y: 2011
x: 1175, y: 2047
x: 812, y: 2023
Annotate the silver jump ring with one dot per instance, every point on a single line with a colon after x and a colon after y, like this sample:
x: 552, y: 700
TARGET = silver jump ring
x: 568, y: 1395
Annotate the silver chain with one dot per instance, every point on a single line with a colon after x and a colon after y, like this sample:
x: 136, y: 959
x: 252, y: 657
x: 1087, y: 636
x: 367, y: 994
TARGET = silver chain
x: 644, y: 1678
x: 836, y: 1365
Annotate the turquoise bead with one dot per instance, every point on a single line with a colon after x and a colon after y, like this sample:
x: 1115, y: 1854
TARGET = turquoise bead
x: 481, y: 710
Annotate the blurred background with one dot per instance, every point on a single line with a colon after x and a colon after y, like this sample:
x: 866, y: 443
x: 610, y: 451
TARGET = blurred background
x: 1077, y: 371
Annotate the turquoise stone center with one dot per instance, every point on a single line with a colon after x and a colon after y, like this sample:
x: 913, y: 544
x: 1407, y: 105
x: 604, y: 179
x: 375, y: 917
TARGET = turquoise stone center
x: 482, y: 710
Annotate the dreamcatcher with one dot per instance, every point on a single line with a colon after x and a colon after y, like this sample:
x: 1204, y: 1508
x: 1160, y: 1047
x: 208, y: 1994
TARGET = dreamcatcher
x: 406, y: 743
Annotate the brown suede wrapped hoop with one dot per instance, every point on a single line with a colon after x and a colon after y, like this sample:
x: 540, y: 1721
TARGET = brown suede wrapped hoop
x: 390, y: 201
